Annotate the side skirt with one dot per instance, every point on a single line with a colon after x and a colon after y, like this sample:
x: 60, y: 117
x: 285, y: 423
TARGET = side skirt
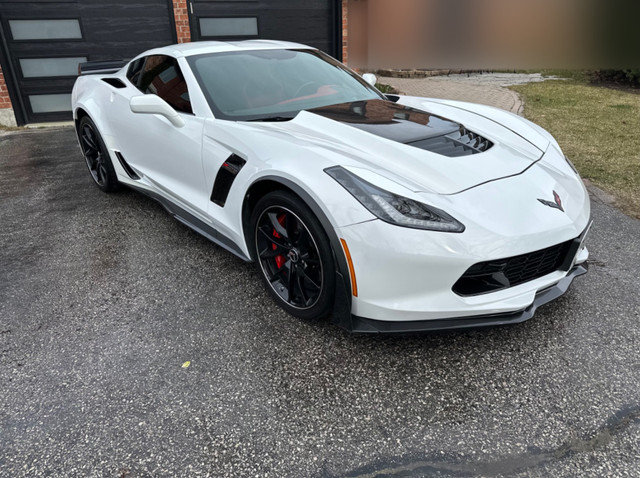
x: 194, y: 223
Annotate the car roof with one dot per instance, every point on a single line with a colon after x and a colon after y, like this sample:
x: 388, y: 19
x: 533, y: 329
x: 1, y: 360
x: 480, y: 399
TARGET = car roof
x: 203, y: 47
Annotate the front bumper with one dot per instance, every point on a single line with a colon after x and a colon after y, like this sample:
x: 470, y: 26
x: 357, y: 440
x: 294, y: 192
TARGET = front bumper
x: 402, y: 276
x: 370, y: 326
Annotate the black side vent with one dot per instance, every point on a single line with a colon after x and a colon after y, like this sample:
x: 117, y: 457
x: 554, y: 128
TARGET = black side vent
x: 128, y: 169
x: 116, y: 83
x: 459, y: 143
x: 500, y: 274
x: 224, y: 179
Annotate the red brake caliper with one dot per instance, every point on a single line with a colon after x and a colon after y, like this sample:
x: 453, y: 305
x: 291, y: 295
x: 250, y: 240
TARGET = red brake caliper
x: 280, y: 259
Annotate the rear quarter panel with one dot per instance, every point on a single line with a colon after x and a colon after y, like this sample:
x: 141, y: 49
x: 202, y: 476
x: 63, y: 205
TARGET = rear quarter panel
x: 93, y: 95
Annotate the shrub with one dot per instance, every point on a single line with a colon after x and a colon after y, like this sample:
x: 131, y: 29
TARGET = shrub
x: 626, y: 77
x: 386, y: 88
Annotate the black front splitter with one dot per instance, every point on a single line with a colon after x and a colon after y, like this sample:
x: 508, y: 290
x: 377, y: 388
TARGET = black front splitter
x: 361, y: 325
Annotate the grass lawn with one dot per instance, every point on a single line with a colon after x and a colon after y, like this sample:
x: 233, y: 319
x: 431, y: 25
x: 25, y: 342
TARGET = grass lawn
x: 598, y: 129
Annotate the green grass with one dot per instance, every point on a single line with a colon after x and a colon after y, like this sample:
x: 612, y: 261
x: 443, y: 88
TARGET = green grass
x: 598, y: 129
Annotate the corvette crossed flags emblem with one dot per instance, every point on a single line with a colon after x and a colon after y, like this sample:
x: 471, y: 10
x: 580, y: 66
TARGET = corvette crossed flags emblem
x: 556, y: 203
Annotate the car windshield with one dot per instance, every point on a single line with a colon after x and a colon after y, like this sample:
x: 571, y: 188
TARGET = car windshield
x: 275, y: 84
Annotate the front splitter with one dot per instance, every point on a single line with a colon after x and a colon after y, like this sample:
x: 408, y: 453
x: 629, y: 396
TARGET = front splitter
x: 361, y: 325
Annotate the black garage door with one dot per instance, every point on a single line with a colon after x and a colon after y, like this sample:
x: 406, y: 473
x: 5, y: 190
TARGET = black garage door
x: 312, y: 22
x: 43, y: 42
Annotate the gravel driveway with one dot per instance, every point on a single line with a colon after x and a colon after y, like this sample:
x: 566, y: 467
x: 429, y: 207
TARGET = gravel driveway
x: 103, y: 298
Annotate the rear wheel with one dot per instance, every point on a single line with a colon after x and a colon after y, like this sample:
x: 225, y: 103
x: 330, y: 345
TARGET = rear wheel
x: 96, y: 156
x: 293, y: 255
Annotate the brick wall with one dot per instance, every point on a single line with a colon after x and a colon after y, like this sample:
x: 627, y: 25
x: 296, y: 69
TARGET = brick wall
x: 5, y: 102
x: 181, y: 16
x: 345, y: 30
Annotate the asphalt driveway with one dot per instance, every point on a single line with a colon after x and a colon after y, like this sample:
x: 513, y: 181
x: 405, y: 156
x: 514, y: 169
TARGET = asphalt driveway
x: 103, y: 298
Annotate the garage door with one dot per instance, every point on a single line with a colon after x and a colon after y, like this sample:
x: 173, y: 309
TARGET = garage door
x: 43, y: 42
x: 312, y: 22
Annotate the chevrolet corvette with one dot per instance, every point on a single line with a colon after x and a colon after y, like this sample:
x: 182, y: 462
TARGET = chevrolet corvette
x: 386, y: 213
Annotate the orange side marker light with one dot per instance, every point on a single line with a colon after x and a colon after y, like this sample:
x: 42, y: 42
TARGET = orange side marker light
x: 352, y: 271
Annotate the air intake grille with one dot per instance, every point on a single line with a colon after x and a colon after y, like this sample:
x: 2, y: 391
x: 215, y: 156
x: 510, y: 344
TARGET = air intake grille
x: 491, y: 276
x: 459, y: 143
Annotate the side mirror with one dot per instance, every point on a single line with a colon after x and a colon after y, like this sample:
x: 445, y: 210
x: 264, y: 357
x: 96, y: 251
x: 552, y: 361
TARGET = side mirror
x: 153, y: 104
x: 370, y: 78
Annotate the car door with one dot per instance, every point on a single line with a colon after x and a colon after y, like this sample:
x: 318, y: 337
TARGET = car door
x: 169, y: 157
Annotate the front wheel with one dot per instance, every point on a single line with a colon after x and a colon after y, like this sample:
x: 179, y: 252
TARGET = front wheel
x: 293, y: 255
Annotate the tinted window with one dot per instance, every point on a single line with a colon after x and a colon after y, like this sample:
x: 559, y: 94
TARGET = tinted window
x: 248, y: 85
x: 133, y: 73
x: 161, y: 76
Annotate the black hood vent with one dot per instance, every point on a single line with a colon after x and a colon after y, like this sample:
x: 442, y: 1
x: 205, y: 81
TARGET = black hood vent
x: 408, y: 126
x: 461, y: 143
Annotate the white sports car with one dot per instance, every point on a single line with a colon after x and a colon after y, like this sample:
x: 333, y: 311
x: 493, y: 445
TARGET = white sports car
x: 386, y: 213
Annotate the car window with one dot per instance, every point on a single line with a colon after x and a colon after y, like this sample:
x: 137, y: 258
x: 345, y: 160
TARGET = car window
x: 133, y: 73
x: 253, y: 84
x: 161, y: 76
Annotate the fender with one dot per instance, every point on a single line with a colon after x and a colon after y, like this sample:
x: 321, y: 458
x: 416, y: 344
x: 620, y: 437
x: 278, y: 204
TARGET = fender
x: 342, y: 302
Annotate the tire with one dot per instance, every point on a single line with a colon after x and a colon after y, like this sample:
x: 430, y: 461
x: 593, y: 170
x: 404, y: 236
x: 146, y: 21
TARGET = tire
x: 97, y: 156
x: 293, y: 255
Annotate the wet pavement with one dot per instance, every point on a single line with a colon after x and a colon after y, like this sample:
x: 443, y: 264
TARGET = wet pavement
x: 103, y: 298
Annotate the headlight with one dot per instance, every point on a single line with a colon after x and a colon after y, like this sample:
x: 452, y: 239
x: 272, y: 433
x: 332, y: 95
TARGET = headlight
x: 392, y: 208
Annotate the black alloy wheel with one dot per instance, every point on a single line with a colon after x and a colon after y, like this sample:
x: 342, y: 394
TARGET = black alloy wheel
x: 96, y: 156
x: 293, y: 255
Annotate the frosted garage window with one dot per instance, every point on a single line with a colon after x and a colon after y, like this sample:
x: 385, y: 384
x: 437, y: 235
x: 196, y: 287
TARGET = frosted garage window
x: 45, y: 67
x: 45, y: 29
x: 229, y: 27
x: 50, y: 103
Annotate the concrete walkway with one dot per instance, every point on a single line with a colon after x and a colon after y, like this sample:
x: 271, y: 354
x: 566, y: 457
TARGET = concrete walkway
x: 487, y: 89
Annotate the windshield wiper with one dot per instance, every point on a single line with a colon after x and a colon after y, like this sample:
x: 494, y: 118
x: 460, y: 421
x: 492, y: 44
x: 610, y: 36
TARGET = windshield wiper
x: 273, y: 118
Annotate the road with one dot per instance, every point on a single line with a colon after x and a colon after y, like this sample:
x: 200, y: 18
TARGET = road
x: 103, y: 298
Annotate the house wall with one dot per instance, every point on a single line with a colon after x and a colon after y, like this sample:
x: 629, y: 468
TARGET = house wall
x: 345, y: 31
x: 474, y: 34
x: 7, y: 118
x: 355, y: 32
x: 181, y: 16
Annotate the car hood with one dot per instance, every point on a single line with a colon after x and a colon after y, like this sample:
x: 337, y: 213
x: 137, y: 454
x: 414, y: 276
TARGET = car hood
x: 425, y: 145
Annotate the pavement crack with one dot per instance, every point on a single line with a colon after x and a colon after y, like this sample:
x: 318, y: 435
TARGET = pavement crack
x: 508, y: 464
